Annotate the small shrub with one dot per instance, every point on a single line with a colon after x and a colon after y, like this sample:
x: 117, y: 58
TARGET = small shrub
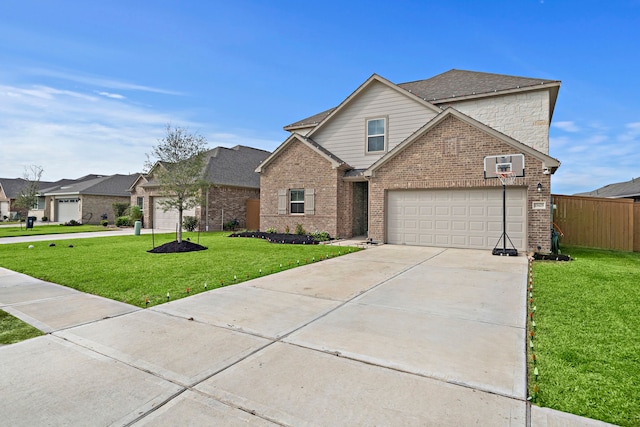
x: 299, y: 230
x: 271, y: 230
x: 189, y: 223
x: 119, y: 209
x: 286, y: 230
x: 104, y: 222
x: 321, y: 236
x: 135, y: 213
x: 123, y: 221
x: 72, y: 223
x: 231, y: 225
x: 45, y: 218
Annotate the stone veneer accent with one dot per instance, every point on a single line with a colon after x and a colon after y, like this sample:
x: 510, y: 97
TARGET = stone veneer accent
x: 522, y: 116
x: 457, y: 149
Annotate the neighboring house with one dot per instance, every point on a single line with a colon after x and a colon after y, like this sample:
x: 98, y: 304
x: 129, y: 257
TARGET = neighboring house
x: 233, y: 185
x: 620, y: 190
x: 405, y: 163
x: 10, y: 189
x: 87, y: 199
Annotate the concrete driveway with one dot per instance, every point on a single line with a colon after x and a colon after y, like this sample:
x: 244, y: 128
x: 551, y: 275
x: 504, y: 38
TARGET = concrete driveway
x: 390, y: 335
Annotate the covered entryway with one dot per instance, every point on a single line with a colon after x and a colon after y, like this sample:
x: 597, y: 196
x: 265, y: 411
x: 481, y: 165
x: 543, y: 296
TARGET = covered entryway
x: 68, y: 209
x: 457, y: 218
x: 167, y: 220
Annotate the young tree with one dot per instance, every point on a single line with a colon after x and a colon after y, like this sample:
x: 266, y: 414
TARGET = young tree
x: 28, y: 197
x: 179, y: 170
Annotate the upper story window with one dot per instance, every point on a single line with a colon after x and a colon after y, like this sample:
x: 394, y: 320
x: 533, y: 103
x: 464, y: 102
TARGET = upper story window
x: 376, y: 135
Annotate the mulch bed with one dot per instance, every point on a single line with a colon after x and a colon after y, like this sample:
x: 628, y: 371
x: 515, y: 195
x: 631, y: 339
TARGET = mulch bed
x: 294, y: 239
x: 173, y: 247
x: 551, y: 257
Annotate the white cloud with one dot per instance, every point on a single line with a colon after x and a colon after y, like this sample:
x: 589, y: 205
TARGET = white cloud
x: 71, y: 133
x: 566, y: 126
x: 98, y: 81
x: 112, y: 95
x: 632, y: 133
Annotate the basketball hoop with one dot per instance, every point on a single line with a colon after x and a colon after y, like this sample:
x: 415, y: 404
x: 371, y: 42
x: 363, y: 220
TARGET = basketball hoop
x: 507, y: 177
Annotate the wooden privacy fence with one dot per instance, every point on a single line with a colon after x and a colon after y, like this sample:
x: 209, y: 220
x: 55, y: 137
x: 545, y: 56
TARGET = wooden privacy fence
x: 598, y: 222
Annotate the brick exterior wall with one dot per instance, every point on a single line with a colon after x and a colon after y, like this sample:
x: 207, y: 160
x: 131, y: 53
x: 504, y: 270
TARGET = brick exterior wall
x: 457, y: 149
x: 94, y: 206
x: 232, y: 199
x: 297, y: 167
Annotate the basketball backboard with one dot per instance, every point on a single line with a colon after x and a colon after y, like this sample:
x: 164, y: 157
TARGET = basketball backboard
x: 503, y: 163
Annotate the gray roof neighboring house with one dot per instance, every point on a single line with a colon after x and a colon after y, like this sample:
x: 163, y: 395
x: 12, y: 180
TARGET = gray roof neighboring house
x: 619, y: 190
x: 112, y: 185
x: 456, y: 85
x: 232, y: 167
x: 235, y: 166
x: 13, y: 186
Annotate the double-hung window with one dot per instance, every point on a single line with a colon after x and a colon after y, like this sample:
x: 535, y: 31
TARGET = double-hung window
x: 376, y: 135
x: 296, y: 201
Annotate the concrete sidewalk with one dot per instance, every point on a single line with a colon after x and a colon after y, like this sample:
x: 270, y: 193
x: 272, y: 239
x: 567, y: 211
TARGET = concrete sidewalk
x: 391, y: 335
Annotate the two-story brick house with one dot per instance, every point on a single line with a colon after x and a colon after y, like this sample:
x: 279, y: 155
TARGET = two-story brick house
x: 405, y: 163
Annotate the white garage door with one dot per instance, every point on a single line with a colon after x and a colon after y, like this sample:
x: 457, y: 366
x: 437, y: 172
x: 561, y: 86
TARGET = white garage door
x: 68, y: 209
x: 169, y: 219
x: 461, y: 218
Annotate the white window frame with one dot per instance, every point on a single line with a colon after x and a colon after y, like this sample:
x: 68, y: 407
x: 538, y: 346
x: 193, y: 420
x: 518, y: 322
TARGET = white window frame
x: 308, y: 201
x: 140, y: 203
x: 385, y: 121
x: 296, y: 202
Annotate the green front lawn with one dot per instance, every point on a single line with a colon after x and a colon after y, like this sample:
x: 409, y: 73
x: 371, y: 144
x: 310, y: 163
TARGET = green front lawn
x: 587, y: 335
x: 13, y: 330
x: 120, y: 268
x: 49, y: 229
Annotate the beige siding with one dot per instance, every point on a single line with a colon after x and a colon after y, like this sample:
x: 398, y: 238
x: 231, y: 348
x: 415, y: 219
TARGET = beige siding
x: 344, y: 135
x: 522, y: 116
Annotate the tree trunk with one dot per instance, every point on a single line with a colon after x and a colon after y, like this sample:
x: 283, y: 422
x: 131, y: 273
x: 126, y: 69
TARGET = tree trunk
x: 179, y: 236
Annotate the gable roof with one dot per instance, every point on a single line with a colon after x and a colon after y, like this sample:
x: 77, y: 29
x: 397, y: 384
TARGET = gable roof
x: 234, y: 166
x: 113, y: 185
x: 617, y: 190
x: 325, y: 116
x: 547, y: 161
x: 13, y: 186
x: 455, y: 85
x: 335, y: 161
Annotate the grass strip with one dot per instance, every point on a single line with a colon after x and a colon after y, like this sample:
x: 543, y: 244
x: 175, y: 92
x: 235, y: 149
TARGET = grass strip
x: 13, y: 330
x: 587, y: 335
x: 120, y: 268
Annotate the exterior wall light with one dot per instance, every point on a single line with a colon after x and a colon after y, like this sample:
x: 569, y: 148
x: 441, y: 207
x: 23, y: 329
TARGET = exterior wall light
x: 539, y: 188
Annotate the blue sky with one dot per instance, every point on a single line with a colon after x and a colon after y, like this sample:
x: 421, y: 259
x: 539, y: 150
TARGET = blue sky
x: 89, y: 87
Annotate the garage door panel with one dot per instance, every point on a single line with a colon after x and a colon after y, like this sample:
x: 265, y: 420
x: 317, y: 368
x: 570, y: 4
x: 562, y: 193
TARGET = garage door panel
x: 468, y: 218
x: 167, y: 220
x: 442, y: 225
x: 477, y: 226
x: 426, y: 210
x: 459, y: 225
x: 459, y: 211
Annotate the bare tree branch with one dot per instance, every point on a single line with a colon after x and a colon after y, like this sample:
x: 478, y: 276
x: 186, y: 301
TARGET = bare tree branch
x: 179, y: 170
